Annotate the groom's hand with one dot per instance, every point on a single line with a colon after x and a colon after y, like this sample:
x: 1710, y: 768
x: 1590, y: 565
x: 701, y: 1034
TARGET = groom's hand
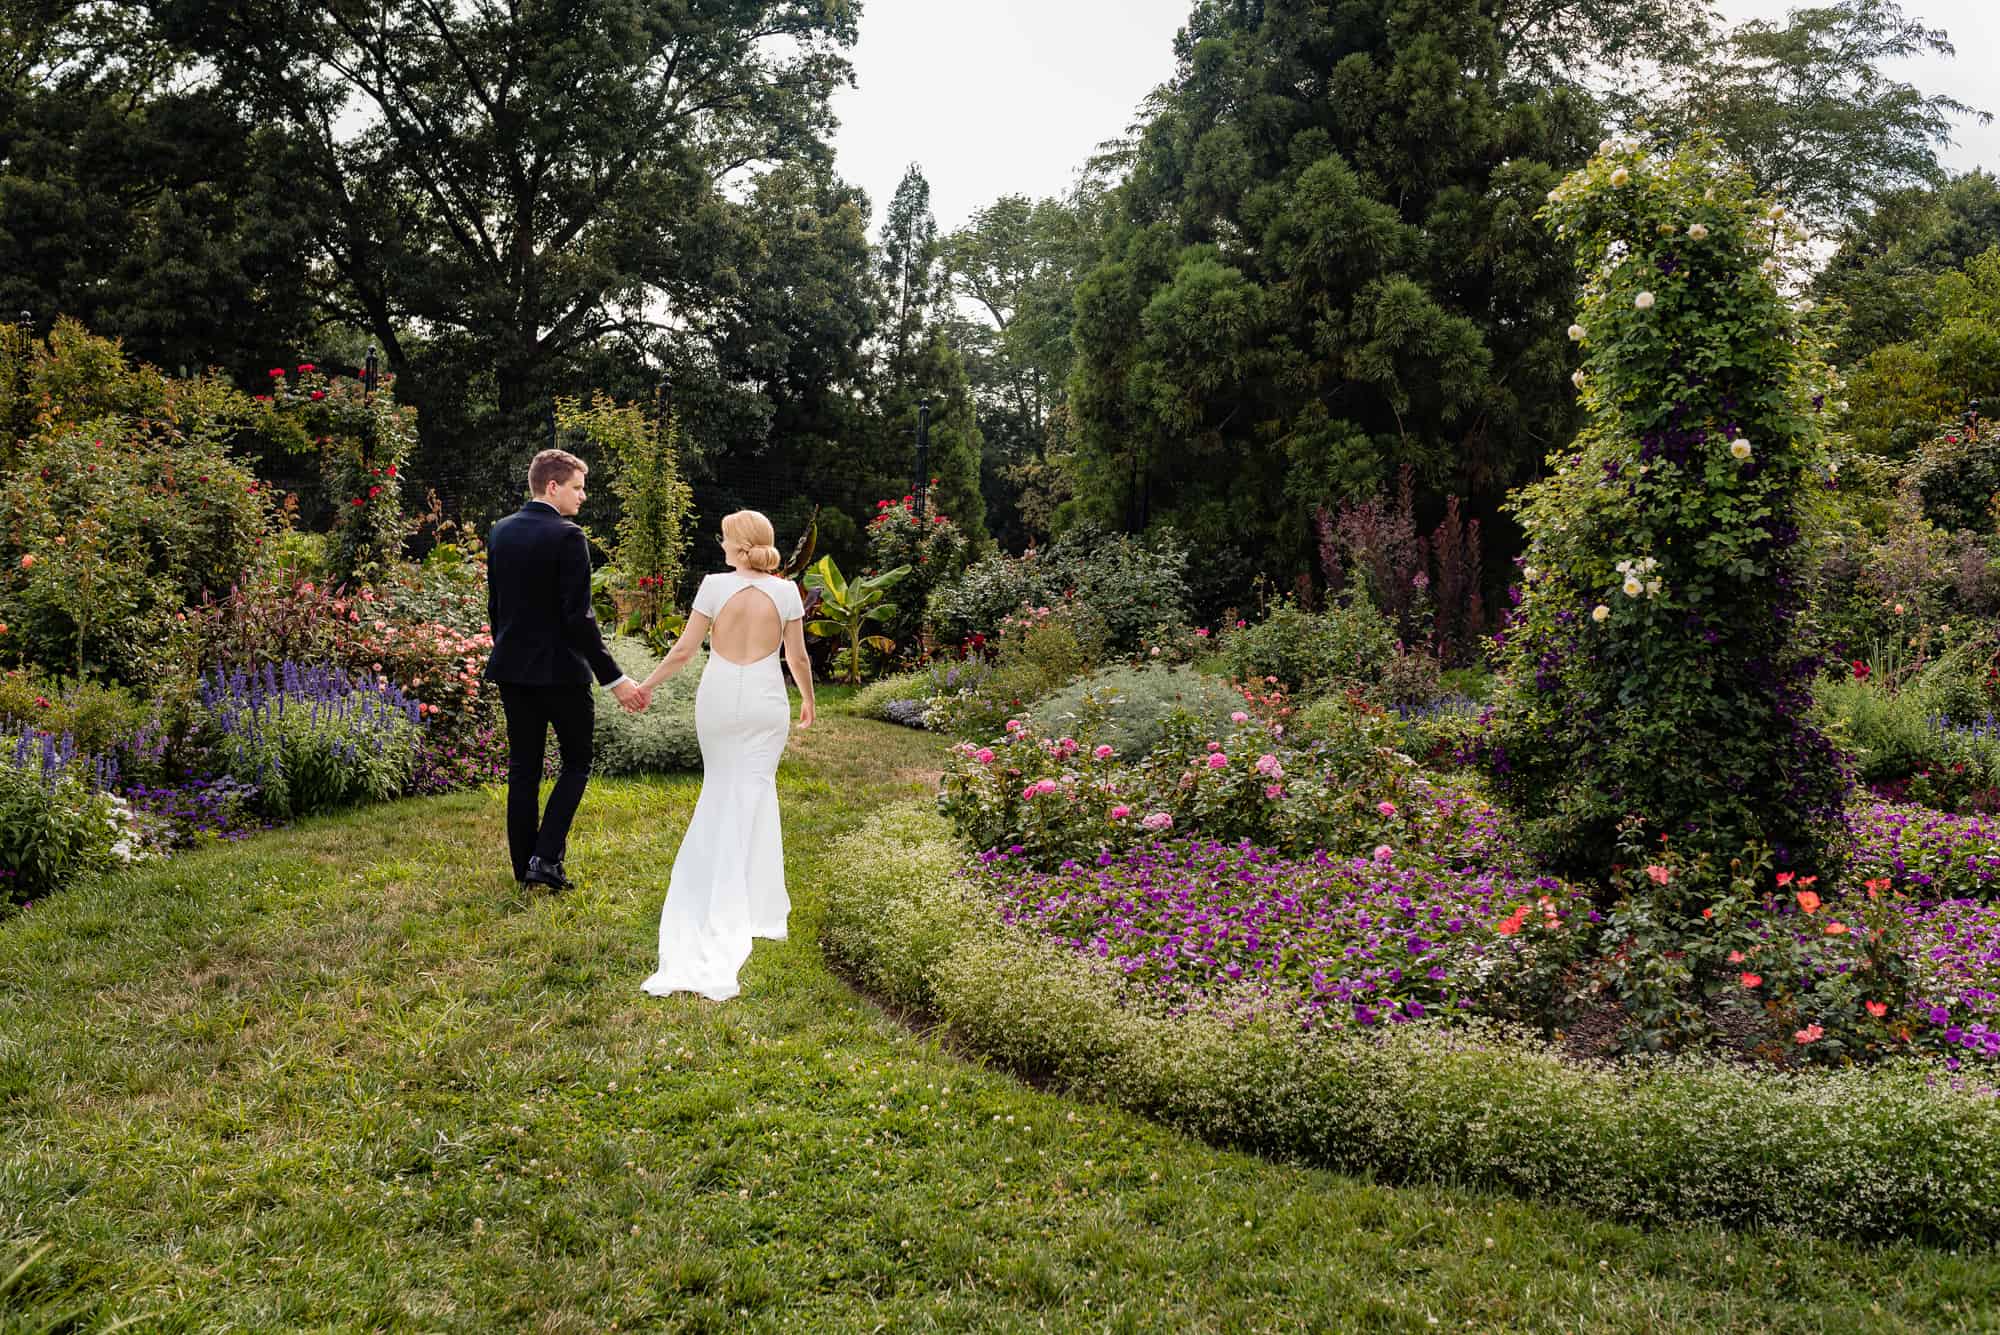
x: 632, y: 696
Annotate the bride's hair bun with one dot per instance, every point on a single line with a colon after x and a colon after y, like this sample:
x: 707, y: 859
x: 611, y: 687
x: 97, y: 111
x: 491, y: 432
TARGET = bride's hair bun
x: 752, y: 534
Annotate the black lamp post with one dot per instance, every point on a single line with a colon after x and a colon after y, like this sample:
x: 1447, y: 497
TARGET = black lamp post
x: 923, y: 455
x: 1972, y: 420
x: 368, y: 372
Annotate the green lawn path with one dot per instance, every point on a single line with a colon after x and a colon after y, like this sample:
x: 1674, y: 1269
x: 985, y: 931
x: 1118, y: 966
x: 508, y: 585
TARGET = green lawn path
x: 345, y: 1076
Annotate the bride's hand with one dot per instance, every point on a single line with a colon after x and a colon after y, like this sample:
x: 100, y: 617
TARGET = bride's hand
x: 805, y: 715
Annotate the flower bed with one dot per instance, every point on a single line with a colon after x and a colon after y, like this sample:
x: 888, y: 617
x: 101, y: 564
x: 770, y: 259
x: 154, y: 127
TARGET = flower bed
x: 1339, y: 941
x: 1893, y: 1150
x: 311, y: 738
x: 57, y: 819
x: 1926, y: 852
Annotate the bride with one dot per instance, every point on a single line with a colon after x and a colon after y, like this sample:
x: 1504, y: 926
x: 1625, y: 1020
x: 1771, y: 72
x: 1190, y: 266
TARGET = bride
x: 728, y: 882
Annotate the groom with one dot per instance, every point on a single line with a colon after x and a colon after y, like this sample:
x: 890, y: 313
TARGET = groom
x: 546, y: 649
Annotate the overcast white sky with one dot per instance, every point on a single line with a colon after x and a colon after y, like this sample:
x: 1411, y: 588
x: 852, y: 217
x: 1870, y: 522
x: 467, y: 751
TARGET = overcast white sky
x: 996, y: 97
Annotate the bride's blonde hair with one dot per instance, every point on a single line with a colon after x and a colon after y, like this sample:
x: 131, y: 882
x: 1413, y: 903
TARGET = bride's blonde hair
x: 749, y: 532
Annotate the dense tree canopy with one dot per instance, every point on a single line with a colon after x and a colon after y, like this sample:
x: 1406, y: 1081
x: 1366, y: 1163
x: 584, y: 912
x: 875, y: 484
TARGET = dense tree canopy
x: 1326, y: 268
x: 1810, y: 107
x: 1886, y: 270
x: 506, y: 191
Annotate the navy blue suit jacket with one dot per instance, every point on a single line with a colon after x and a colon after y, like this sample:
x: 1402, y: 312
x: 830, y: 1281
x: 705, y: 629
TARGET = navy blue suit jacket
x: 538, y: 603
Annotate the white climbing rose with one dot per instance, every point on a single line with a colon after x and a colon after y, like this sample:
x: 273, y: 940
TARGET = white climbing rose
x: 1633, y: 588
x: 1599, y: 612
x: 1698, y: 232
x: 1644, y: 301
x: 1576, y: 333
x: 1620, y: 177
x: 1576, y: 377
x: 1740, y: 448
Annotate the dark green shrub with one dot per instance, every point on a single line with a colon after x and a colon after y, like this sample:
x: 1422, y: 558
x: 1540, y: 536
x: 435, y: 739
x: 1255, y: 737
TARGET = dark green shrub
x: 934, y: 548
x: 1134, y: 587
x: 1347, y: 646
x: 1957, y: 475
x: 95, y: 716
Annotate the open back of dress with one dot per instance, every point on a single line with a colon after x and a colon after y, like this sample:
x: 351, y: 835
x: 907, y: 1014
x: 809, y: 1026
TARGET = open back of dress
x: 748, y: 627
x: 728, y: 882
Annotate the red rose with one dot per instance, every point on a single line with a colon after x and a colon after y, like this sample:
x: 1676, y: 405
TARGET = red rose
x: 319, y: 394
x: 359, y: 502
x: 277, y: 373
x: 374, y: 491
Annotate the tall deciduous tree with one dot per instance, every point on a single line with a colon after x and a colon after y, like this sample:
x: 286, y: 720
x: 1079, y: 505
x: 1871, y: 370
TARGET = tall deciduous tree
x: 152, y: 213
x: 1014, y: 269
x: 1886, y: 270
x: 1809, y: 106
x: 520, y: 184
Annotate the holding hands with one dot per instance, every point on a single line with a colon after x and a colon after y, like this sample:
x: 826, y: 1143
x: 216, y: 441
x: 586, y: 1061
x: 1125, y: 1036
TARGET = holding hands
x: 633, y: 697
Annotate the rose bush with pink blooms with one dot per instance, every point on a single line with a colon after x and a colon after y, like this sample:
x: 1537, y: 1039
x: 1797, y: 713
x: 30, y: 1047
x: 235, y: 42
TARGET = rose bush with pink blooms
x: 1054, y: 798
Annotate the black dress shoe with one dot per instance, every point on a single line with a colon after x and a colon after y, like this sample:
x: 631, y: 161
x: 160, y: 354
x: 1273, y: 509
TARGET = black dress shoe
x: 546, y: 873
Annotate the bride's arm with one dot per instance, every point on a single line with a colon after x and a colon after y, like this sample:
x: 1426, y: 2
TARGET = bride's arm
x: 685, y: 648
x: 802, y: 669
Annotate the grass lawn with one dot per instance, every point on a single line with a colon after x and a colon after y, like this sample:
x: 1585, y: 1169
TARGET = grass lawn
x: 344, y: 1075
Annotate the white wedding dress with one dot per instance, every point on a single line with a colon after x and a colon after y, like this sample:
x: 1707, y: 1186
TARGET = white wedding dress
x: 728, y: 882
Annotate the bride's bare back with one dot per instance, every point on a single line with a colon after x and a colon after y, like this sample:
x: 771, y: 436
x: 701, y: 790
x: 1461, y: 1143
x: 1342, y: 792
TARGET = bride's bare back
x: 748, y: 629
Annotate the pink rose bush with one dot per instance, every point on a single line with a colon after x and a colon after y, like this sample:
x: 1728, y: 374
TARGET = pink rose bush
x: 1060, y: 798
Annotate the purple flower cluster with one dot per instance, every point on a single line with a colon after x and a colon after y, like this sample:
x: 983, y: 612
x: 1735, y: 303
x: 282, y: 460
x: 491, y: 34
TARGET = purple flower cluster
x: 1927, y: 853
x: 186, y: 813
x: 1240, y: 929
x: 1955, y: 946
x: 235, y: 696
x: 52, y: 757
x: 252, y: 706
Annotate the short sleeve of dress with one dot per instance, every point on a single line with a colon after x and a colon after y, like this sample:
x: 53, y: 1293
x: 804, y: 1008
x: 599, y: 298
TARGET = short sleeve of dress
x: 708, y: 597
x: 794, y: 607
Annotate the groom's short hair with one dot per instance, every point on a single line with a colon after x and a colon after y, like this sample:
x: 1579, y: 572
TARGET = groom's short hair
x: 551, y: 467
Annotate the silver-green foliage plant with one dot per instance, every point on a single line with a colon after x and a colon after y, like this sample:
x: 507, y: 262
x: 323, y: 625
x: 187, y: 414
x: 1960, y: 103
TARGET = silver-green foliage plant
x: 1130, y: 706
x: 660, y: 739
x: 903, y: 688
x: 1659, y: 663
